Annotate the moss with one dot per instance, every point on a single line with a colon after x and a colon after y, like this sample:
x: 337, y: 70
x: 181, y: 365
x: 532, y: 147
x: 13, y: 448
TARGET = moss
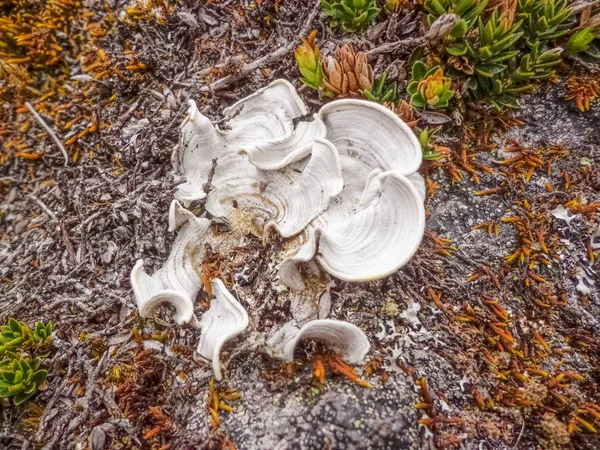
x: 390, y: 308
x: 556, y: 435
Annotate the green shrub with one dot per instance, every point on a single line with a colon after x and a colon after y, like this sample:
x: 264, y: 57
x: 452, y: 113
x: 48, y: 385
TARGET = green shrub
x: 506, y: 51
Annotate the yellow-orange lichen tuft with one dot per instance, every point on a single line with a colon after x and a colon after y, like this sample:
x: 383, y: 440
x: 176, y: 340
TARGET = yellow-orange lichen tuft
x: 216, y: 402
x: 583, y: 90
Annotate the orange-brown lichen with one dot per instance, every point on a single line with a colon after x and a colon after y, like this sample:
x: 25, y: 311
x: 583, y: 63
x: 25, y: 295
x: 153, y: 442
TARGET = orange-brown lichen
x: 213, y: 266
x: 337, y: 364
x: 491, y: 226
x: 583, y: 90
x: 216, y: 402
x: 38, y: 39
x: 319, y: 372
x: 441, y: 246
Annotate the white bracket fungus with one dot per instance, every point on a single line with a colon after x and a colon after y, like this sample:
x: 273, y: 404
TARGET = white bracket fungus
x: 376, y: 223
x: 178, y: 281
x: 345, y: 338
x: 344, y: 182
x: 224, y: 320
x: 358, y: 198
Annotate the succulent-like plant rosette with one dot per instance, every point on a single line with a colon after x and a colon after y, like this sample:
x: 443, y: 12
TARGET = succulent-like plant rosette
x: 308, y: 58
x: 429, y: 87
x: 17, y: 335
x: 383, y: 91
x: 20, y: 378
x: 347, y: 73
x: 581, y: 41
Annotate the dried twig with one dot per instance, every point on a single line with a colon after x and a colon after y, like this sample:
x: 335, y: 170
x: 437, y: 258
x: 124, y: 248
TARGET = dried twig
x: 57, y: 393
x: 50, y: 132
x: 91, y: 383
x: 43, y: 206
x: 520, y: 435
x: 67, y: 241
x: 269, y: 58
x: 405, y: 44
x: 107, y: 331
x: 72, y: 301
x: 123, y: 118
x: 59, y: 429
x: 89, y: 219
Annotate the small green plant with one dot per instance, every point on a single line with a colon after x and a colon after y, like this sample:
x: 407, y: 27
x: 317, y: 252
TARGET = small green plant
x: 352, y: 15
x: 308, y: 58
x: 21, y: 375
x: 578, y: 42
x: 41, y: 341
x: 11, y: 336
x: 467, y: 12
x: 429, y: 87
x: 20, y: 378
x: 382, y: 91
x: 487, y: 57
x: 18, y: 336
x: 425, y: 136
x: 543, y: 19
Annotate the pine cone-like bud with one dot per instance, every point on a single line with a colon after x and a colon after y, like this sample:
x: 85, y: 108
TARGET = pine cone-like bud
x: 462, y: 64
x: 442, y: 26
x: 347, y: 73
x: 404, y: 111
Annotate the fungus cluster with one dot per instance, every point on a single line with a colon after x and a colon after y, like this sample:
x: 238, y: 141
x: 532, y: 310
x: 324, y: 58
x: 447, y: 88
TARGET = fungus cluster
x: 340, y: 186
